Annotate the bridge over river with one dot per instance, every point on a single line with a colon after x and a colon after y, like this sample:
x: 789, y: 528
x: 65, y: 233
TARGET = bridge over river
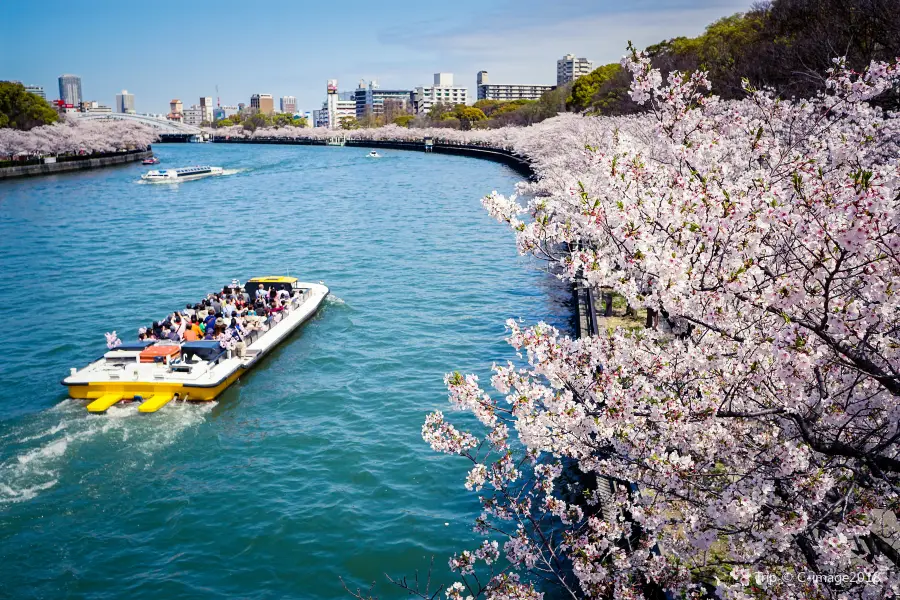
x: 164, y: 125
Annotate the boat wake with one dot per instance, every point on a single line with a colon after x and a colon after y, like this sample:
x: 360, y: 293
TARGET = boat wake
x: 333, y: 300
x: 37, y: 453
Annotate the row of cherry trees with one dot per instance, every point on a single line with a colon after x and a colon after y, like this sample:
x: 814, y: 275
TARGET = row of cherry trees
x: 75, y: 137
x: 500, y: 138
x: 759, y: 441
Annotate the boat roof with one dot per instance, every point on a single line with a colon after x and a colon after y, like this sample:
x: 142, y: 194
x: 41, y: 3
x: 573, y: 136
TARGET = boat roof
x: 273, y: 279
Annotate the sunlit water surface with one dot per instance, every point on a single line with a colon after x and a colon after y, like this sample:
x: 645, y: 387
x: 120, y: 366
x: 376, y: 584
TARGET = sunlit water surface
x: 312, y: 466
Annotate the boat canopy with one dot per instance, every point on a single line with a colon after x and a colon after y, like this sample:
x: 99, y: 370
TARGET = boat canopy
x: 135, y: 346
x: 273, y: 279
x: 208, y: 350
x: 277, y: 282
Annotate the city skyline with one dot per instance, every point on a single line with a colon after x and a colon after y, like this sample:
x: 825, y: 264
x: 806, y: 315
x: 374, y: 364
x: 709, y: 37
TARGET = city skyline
x: 156, y: 61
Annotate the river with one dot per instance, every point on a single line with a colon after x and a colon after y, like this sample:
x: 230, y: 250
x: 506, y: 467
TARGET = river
x: 312, y: 466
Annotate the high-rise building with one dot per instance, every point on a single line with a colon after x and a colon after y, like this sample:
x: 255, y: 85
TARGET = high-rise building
x: 70, y: 89
x: 206, y: 106
x: 125, y: 102
x: 263, y: 103
x: 288, y: 104
x: 503, y: 91
x: 442, y: 92
x: 37, y: 90
x: 569, y: 68
x: 370, y: 99
x: 176, y: 110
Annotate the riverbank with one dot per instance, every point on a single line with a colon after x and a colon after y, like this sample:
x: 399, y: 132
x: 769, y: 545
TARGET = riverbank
x: 109, y: 159
x: 499, y: 155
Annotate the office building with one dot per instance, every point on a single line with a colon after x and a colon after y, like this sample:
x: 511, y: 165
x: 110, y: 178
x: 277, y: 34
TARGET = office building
x: 502, y: 91
x: 206, y: 107
x: 193, y: 115
x: 288, y: 104
x: 37, y: 90
x: 263, y: 103
x: 70, y: 89
x: 569, y: 68
x: 125, y: 103
x: 320, y: 117
x: 176, y: 111
x: 370, y: 99
x: 442, y: 92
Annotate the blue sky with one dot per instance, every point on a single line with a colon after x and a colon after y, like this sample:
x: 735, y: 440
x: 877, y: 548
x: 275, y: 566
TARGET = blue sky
x: 164, y: 50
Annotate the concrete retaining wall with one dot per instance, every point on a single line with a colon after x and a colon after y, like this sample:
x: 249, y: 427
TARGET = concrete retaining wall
x: 74, y: 165
x: 506, y: 157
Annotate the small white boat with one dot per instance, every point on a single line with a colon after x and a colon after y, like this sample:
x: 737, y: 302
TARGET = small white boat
x: 184, y: 174
x: 373, y: 154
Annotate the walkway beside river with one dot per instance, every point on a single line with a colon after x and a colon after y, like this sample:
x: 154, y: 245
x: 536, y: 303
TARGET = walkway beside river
x: 75, y: 163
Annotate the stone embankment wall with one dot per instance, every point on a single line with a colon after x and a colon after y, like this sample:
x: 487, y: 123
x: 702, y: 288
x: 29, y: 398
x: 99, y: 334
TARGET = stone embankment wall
x: 118, y: 158
x: 510, y: 159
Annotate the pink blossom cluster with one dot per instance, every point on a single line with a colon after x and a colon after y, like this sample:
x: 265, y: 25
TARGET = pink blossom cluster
x: 75, y: 137
x: 757, y: 433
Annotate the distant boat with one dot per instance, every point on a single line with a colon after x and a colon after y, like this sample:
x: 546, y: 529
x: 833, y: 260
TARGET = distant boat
x: 373, y: 154
x: 335, y: 141
x: 150, y: 161
x: 187, y: 173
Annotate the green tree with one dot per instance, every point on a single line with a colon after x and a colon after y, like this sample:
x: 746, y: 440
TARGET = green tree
x: 468, y: 115
x: 256, y: 121
x: 21, y: 110
x: 300, y: 122
x: 349, y: 123
x: 404, y: 120
x: 226, y: 122
x: 439, y: 112
x: 585, y: 88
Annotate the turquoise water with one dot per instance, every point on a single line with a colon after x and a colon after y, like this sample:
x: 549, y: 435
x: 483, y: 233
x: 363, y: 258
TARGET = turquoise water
x: 312, y: 466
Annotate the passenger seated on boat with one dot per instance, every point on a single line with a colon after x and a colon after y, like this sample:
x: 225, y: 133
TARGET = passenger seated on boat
x: 261, y: 293
x: 188, y: 311
x: 171, y: 334
x: 190, y: 335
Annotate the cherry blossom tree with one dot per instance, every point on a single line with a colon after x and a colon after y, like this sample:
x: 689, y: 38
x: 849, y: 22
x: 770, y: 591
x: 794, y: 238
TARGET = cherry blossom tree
x: 74, y: 136
x: 754, y: 440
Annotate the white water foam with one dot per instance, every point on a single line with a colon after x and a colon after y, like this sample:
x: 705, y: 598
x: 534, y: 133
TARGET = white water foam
x: 334, y: 300
x: 37, y: 469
